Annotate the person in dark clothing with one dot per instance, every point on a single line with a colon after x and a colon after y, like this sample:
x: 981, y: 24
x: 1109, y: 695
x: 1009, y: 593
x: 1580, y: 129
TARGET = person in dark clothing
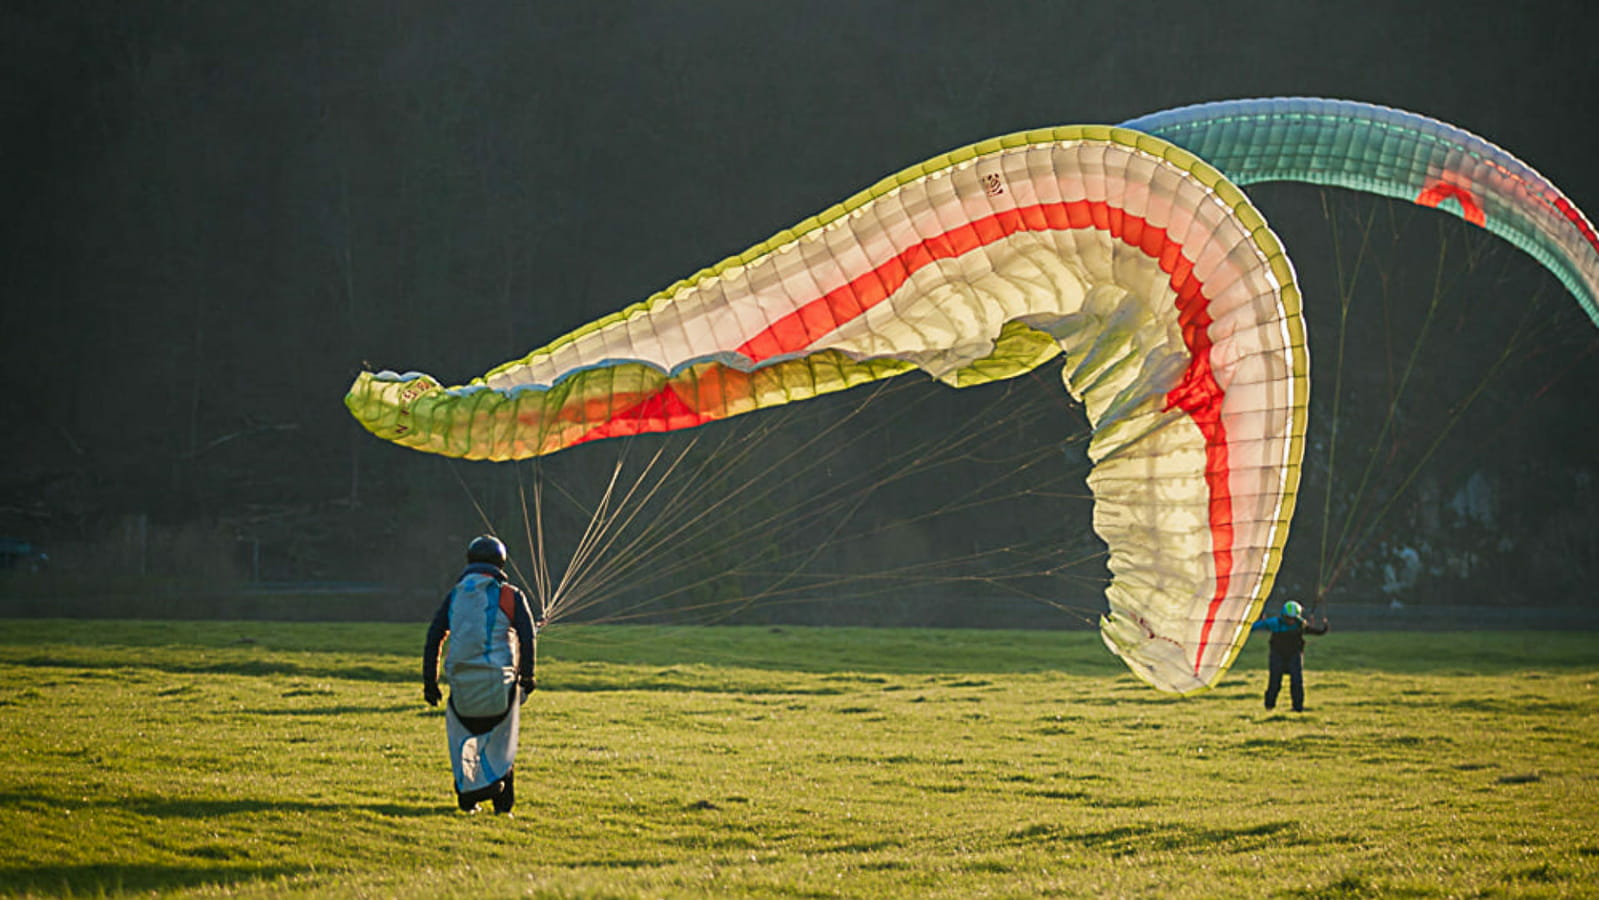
x: 490, y: 665
x: 1288, y: 652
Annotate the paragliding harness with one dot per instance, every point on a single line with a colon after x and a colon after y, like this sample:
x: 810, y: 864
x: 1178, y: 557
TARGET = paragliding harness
x: 486, y: 724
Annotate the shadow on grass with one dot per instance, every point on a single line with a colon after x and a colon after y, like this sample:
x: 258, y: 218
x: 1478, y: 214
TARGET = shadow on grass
x: 341, y: 710
x: 631, y: 681
x: 109, y: 879
x: 1295, y: 745
x: 623, y: 863
x: 254, y: 668
x: 167, y: 808
x: 210, y: 809
x: 1129, y: 840
x: 1355, y: 887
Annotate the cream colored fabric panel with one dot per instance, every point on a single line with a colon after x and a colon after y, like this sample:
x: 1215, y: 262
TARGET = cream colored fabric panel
x: 969, y: 235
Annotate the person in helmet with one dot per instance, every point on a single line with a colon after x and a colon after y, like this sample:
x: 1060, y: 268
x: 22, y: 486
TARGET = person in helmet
x: 1288, y: 632
x: 490, y: 663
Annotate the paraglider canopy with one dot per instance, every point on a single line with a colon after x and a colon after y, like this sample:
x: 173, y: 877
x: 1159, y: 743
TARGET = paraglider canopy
x: 1172, y: 304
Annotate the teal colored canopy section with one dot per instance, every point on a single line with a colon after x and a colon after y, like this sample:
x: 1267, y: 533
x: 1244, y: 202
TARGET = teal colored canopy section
x: 1393, y: 153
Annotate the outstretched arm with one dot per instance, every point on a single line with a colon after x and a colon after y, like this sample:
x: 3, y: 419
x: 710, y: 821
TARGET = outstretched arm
x: 430, y: 653
x: 522, y: 623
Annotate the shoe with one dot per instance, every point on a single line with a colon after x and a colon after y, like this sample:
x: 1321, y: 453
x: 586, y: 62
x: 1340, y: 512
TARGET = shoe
x: 506, y: 798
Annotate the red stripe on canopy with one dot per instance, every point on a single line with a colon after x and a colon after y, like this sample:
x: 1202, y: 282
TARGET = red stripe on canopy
x: 1198, y: 394
x: 1438, y: 191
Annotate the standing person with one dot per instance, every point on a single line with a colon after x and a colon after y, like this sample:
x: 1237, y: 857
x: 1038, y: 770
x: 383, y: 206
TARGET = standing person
x: 1288, y: 652
x: 490, y: 667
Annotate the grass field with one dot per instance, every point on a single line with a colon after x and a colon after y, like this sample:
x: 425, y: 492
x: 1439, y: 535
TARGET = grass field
x: 264, y: 759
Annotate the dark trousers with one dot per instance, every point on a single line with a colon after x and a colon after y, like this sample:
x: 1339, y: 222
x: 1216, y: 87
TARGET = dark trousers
x: 1293, y: 665
x: 502, y: 792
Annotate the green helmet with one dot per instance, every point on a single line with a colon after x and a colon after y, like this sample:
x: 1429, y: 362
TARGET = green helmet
x: 1292, y: 609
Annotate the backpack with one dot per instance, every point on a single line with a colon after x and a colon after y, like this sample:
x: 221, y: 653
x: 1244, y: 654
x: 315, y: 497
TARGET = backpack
x: 481, y: 662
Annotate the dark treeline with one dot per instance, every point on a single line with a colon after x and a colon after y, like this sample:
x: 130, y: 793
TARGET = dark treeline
x: 220, y: 212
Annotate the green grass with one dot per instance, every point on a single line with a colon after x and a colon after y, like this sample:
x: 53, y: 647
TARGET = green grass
x: 262, y: 759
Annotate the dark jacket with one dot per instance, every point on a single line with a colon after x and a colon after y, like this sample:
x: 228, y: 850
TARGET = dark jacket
x: 521, y: 622
x: 1288, y: 633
